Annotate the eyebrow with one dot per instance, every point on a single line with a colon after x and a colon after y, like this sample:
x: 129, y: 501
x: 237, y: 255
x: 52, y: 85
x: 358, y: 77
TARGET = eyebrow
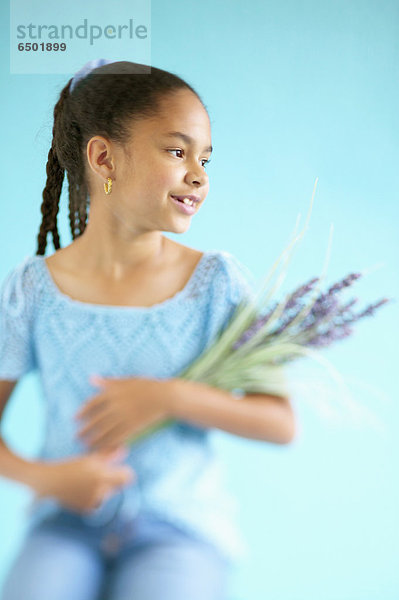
x: 186, y: 138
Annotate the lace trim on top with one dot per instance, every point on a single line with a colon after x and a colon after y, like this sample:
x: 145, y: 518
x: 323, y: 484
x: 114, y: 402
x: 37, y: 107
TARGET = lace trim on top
x: 201, y: 268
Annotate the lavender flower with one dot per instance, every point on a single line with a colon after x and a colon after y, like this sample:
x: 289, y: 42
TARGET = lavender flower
x: 328, y: 337
x: 291, y: 305
x: 254, y: 328
x: 339, y: 329
x: 372, y: 307
x: 346, y: 282
x: 326, y: 322
x: 327, y: 305
x: 300, y: 292
x: 294, y: 305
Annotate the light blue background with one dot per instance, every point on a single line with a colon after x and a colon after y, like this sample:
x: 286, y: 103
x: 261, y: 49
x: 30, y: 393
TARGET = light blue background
x: 295, y: 90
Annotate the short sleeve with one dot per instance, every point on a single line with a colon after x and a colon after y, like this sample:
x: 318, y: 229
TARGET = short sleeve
x: 232, y: 283
x: 240, y: 283
x: 17, y: 355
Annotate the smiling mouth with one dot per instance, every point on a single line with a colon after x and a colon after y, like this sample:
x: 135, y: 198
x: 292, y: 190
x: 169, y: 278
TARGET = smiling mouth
x: 185, y: 201
x: 187, y: 209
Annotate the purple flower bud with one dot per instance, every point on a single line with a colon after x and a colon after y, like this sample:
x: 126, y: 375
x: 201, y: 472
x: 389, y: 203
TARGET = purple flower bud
x: 333, y: 334
x: 349, y: 305
x: 256, y: 324
x: 347, y: 281
x: 300, y: 292
x: 293, y: 306
x: 369, y: 310
x: 326, y: 306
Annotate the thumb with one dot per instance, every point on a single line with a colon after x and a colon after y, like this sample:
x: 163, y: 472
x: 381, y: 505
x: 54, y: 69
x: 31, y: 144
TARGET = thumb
x: 121, y: 476
x: 97, y: 380
x: 112, y: 454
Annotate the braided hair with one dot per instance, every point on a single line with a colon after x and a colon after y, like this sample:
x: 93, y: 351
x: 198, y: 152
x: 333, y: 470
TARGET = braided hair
x: 104, y: 102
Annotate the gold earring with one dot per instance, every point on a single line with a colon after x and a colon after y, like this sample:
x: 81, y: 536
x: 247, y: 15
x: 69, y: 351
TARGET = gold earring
x: 108, y: 186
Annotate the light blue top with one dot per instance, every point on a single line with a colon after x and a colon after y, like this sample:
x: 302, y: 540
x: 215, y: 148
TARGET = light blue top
x: 180, y: 478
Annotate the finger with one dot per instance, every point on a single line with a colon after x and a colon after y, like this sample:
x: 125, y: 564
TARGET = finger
x: 96, y: 380
x: 99, y: 381
x: 90, y: 409
x: 110, y: 455
x: 121, y: 476
x: 91, y: 406
x: 108, y: 438
x: 96, y: 423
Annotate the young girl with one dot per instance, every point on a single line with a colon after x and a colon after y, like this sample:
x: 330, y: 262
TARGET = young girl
x: 111, y: 520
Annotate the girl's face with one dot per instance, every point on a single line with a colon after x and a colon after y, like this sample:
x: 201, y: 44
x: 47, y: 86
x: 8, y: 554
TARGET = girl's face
x: 157, y: 164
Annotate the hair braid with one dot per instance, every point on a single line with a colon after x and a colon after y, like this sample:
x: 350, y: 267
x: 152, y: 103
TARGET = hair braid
x: 52, y: 191
x: 78, y: 199
x: 73, y: 205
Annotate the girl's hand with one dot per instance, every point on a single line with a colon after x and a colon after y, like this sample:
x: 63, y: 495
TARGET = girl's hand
x: 122, y: 409
x: 82, y: 484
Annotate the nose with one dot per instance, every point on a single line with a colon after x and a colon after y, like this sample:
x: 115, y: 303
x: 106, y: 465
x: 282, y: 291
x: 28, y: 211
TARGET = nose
x: 196, y: 176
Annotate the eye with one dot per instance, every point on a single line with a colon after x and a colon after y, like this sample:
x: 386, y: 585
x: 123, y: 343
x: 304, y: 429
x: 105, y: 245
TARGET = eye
x: 176, y: 150
x: 204, y: 160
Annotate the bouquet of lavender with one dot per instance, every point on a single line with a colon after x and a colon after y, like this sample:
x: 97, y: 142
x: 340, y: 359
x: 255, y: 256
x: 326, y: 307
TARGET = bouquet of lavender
x: 250, y: 354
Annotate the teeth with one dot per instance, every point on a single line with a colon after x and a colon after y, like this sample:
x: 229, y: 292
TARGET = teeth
x: 188, y: 201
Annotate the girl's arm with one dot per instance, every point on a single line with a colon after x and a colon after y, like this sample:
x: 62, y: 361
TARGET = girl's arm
x: 255, y: 416
x: 80, y: 483
x: 13, y: 466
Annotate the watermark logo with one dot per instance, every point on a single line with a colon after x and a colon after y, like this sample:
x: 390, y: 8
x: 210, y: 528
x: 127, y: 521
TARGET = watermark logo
x: 93, y: 32
x: 60, y: 39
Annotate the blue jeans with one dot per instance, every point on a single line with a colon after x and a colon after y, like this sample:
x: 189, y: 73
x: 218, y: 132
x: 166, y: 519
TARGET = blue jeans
x: 65, y: 558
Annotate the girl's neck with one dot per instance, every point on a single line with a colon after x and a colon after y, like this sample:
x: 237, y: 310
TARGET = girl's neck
x: 114, y: 260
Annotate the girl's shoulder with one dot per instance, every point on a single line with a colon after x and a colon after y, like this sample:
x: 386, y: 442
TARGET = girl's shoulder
x: 18, y: 300
x: 231, y: 279
x: 20, y: 287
